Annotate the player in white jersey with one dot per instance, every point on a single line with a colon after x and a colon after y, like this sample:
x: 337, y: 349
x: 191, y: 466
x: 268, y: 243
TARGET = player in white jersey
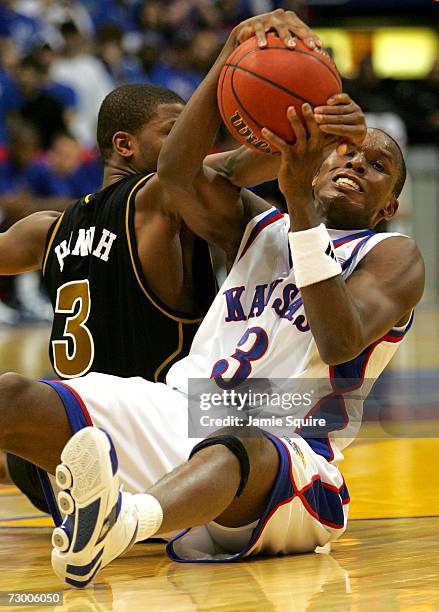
x: 299, y: 302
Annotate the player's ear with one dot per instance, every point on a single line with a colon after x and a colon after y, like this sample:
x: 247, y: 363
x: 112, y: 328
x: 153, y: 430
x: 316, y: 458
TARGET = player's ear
x: 123, y: 144
x: 390, y: 208
x: 314, y: 181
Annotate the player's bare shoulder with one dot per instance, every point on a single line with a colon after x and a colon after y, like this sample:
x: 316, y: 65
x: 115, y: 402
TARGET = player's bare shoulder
x: 41, y: 226
x: 44, y: 219
x: 150, y: 199
x: 36, y: 226
x: 397, y: 264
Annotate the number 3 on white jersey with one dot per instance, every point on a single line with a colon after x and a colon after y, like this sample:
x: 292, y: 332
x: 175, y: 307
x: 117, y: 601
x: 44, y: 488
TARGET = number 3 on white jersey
x: 252, y: 346
x: 76, y: 362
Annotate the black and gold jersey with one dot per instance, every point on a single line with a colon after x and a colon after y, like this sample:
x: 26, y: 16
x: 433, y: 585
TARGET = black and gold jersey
x: 106, y: 318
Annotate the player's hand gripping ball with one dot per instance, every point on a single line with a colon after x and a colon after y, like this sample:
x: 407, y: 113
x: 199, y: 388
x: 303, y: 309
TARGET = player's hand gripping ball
x: 257, y: 85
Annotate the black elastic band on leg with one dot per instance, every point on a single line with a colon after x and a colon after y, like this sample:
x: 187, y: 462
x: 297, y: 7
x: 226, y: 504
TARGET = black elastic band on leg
x: 236, y: 447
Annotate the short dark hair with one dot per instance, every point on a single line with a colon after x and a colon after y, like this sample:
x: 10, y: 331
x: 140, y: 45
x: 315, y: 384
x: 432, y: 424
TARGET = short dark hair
x: 402, y: 168
x: 128, y: 108
x: 30, y: 61
x: 68, y: 28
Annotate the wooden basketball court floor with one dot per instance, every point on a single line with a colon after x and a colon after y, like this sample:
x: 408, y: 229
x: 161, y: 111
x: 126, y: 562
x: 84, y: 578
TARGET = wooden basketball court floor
x: 387, y: 559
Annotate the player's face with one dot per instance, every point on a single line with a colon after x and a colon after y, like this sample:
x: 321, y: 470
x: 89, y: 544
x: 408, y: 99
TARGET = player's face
x: 356, y: 190
x: 152, y: 136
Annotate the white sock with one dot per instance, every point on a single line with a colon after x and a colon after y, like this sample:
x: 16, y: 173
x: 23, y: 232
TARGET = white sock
x: 149, y: 516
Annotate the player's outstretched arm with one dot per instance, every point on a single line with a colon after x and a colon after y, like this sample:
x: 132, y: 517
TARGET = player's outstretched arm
x: 345, y: 316
x: 207, y: 201
x: 22, y: 246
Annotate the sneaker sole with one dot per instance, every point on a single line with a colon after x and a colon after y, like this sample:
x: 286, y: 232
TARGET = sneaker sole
x: 90, y: 459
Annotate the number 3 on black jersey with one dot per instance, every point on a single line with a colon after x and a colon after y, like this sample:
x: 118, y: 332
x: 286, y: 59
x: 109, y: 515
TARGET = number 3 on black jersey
x: 70, y: 363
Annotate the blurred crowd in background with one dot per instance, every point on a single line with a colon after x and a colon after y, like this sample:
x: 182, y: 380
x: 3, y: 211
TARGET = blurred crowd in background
x: 58, y: 60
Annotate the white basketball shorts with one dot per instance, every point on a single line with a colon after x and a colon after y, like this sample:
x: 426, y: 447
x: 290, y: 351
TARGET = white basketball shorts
x: 148, y: 423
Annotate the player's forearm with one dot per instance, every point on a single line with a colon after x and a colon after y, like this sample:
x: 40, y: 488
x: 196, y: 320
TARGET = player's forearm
x: 182, y: 155
x: 15, y: 258
x: 243, y: 167
x: 330, y: 310
x: 334, y: 319
x: 22, y: 246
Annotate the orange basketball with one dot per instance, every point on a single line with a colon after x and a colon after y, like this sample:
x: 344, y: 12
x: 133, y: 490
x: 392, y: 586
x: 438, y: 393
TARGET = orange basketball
x: 256, y: 87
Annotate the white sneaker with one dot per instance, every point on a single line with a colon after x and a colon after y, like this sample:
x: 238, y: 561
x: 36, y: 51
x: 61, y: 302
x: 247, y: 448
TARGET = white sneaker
x: 101, y: 521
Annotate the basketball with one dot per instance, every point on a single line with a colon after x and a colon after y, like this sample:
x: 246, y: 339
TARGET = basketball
x: 257, y: 85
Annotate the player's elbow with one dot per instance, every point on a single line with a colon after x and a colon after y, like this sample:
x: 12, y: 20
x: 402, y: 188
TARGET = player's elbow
x: 334, y: 351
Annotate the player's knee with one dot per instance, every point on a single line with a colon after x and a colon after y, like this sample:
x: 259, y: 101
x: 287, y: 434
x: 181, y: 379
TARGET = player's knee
x: 250, y: 437
x: 13, y: 388
x: 246, y: 444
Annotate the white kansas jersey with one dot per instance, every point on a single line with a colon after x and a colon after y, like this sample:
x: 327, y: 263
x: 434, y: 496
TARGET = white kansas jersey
x: 257, y: 328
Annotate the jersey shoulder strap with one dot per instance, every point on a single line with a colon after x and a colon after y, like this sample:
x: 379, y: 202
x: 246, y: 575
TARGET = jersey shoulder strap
x: 363, y: 247
x: 51, y: 234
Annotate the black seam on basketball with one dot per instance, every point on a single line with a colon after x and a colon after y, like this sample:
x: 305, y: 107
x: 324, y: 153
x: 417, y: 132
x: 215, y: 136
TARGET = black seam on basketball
x: 270, y: 82
x: 318, y: 59
x: 222, y: 112
x: 333, y: 72
x: 238, y: 100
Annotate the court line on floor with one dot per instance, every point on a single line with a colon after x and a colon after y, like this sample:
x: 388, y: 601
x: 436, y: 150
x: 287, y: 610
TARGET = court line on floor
x: 394, y: 518
x: 23, y: 517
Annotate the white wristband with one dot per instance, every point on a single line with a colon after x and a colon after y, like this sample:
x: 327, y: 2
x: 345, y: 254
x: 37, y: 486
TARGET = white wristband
x: 313, y: 256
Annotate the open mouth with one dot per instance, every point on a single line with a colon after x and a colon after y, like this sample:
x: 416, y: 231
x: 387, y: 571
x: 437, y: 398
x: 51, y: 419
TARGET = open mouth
x: 348, y: 182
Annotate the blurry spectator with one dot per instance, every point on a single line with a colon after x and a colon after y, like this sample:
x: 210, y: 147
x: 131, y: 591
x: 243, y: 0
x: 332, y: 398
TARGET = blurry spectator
x: 29, y: 182
x: 120, y: 12
x: 148, y: 57
x: 174, y: 70
x: 9, y: 56
x: 183, y: 65
x: 186, y: 17
x: 204, y: 49
x: 56, y: 12
x: 87, y: 76
x: 38, y: 107
x: 23, y: 30
x: 45, y: 56
x: 25, y: 184
x: 152, y: 15
x: 10, y: 101
x: 17, y: 172
x: 419, y: 101
x: 120, y: 68
x: 71, y: 172
x: 232, y: 12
